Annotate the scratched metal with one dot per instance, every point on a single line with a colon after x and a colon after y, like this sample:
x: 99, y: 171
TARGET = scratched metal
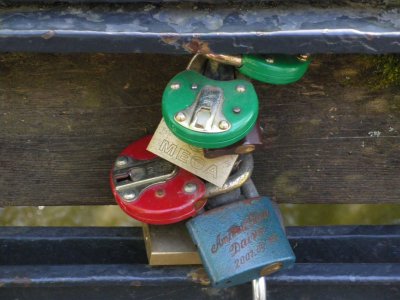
x: 347, y: 27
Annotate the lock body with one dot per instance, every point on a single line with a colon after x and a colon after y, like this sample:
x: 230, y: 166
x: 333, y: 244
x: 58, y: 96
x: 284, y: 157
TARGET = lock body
x: 207, y: 113
x: 152, y: 190
x: 274, y: 69
x: 241, y: 241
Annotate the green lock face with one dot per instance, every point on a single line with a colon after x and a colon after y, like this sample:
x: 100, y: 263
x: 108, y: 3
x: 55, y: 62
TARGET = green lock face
x: 274, y: 69
x: 207, y: 113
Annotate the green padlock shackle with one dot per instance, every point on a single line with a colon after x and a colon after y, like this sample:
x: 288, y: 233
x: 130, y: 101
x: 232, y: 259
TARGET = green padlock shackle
x: 273, y: 69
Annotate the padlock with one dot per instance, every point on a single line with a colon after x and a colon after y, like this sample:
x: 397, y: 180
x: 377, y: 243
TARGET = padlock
x: 171, y: 245
x: 274, y: 69
x: 250, y: 143
x: 241, y: 241
x: 153, y: 190
x: 209, y: 113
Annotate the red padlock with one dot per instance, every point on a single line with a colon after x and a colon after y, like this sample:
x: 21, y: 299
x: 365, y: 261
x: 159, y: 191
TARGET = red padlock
x: 153, y: 190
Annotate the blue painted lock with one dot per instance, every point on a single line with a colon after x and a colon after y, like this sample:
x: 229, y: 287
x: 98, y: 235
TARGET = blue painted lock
x: 241, y: 241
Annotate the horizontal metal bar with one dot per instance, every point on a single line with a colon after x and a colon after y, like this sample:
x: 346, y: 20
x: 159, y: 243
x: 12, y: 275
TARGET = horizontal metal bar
x: 55, y: 246
x: 377, y: 2
x: 174, y: 28
x: 70, y: 245
x: 143, y: 275
x: 89, y: 275
x: 336, y: 274
x: 344, y: 262
x: 346, y: 244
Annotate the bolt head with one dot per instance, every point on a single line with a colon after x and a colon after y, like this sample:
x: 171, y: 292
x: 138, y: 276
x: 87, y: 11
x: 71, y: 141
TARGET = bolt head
x: 160, y: 193
x: 240, y: 89
x: 121, y: 161
x: 194, y: 86
x: 175, y: 86
x: 303, y: 57
x: 129, y: 196
x: 269, y: 60
x: 237, y: 110
x: 180, y: 117
x: 223, y: 125
x: 190, y: 188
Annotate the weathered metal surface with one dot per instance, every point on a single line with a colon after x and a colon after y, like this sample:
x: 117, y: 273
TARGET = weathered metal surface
x: 333, y: 137
x: 260, y: 27
x: 170, y: 245
x: 241, y: 241
x: 152, y: 190
x: 333, y: 263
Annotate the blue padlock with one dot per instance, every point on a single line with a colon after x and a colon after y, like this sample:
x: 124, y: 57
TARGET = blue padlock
x: 241, y: 241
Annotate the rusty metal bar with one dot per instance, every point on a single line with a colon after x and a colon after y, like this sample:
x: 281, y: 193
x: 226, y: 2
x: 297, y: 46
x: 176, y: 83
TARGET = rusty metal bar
x: 342, y: 262
x: 248, y: 27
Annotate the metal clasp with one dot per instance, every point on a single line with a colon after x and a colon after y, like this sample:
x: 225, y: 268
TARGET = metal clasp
x: 131, y: 177
x: 205, y: 114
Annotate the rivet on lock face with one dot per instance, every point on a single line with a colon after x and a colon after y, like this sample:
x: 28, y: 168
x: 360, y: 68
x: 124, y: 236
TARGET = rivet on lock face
x: 207, y: 113
x: 236, y: 110
x: 240, y: 89
x: 180, y: 117
x: 160, y: 193
x: 303, y: 57
x: 175, y: 86
x: 129, y: 196
x: 121, y: 161
x: 190, y: 188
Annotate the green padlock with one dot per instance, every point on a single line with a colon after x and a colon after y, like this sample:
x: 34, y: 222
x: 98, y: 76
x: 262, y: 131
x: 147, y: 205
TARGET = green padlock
x: 273, y: 69
x: 208, y: 113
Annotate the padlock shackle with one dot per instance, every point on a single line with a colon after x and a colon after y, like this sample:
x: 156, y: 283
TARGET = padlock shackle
x: 237, y: 60
x: 259, y: 289
x: 234, y: 181
x: 233, y: 60
x: 196, y: 63
x: 249, y: 190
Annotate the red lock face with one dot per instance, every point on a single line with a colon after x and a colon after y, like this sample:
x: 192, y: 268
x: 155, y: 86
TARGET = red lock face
x: 153, y: 190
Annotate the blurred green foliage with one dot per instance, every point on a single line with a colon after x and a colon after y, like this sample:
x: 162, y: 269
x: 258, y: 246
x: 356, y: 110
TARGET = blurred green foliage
x: 111, y: 215
x: 340, y: 214
x: 380, y: 71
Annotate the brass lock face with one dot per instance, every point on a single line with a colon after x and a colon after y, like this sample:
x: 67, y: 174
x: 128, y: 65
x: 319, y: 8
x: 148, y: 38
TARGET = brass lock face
x: 170, y: 245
